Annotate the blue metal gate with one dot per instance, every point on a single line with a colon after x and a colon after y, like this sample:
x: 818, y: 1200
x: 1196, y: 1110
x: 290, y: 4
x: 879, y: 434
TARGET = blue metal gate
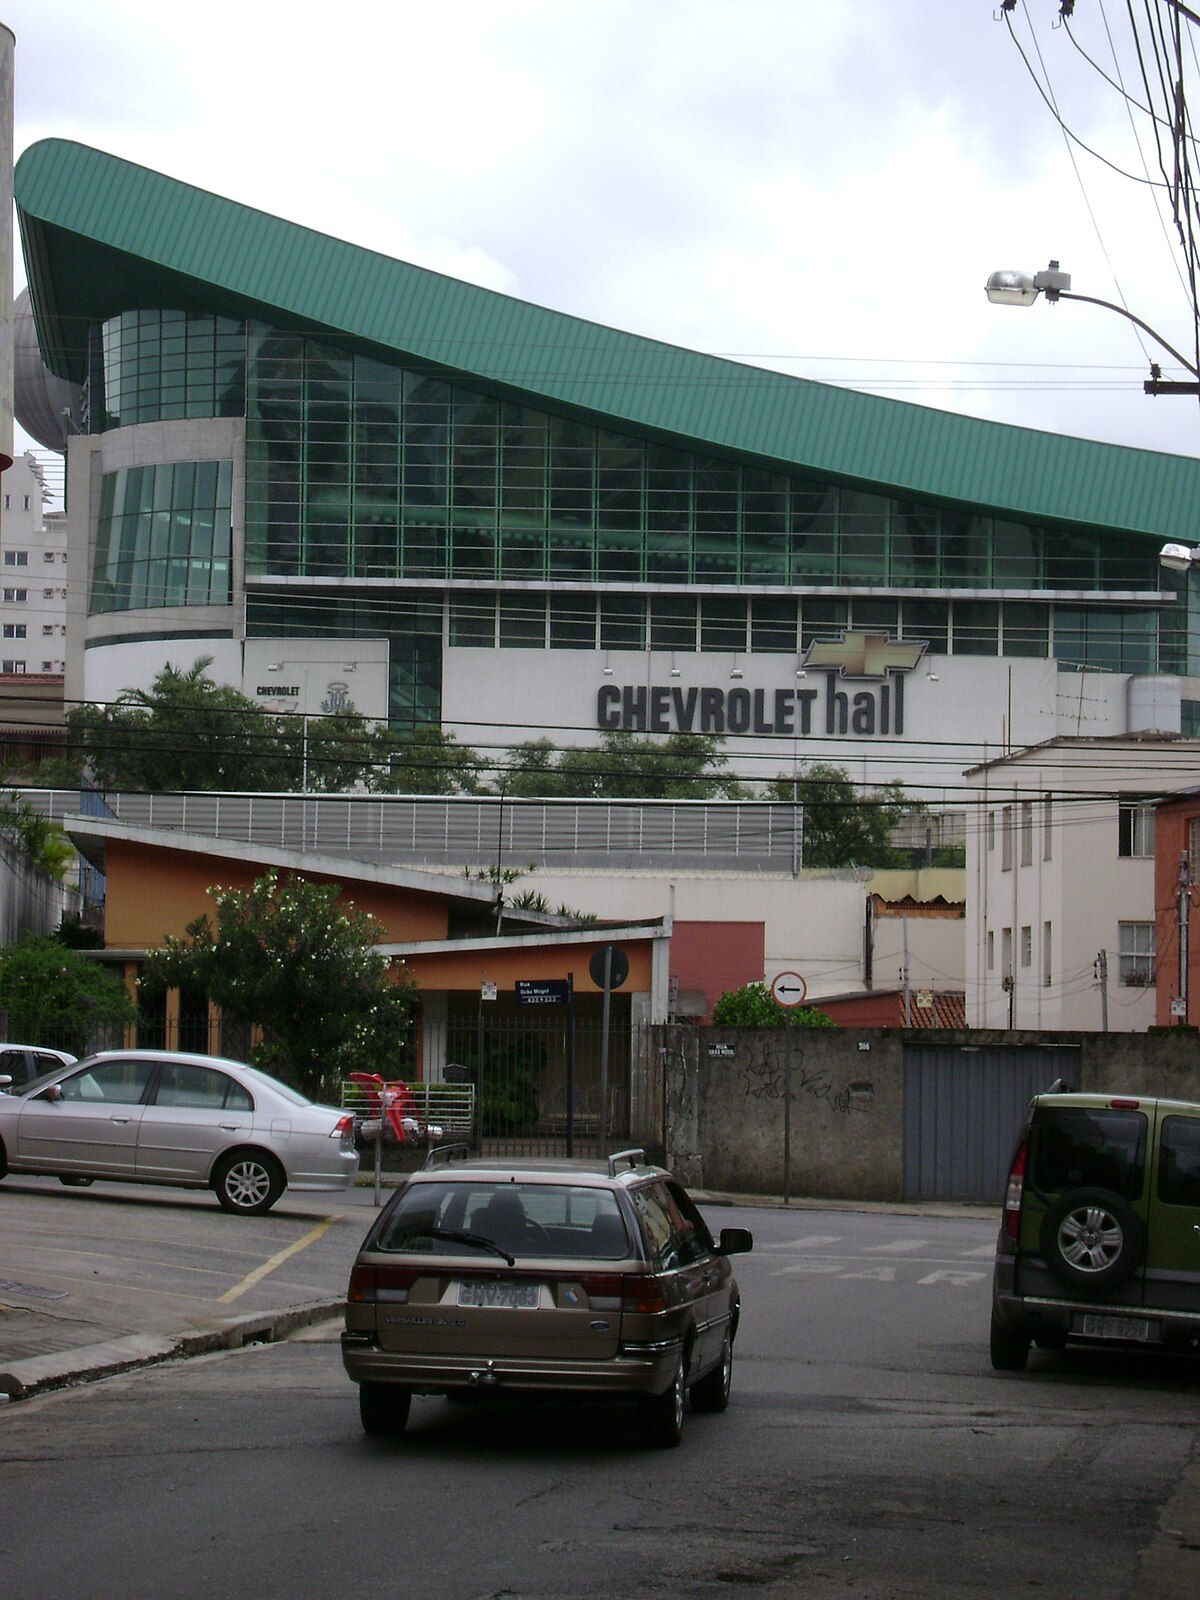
x: 963, y: 1109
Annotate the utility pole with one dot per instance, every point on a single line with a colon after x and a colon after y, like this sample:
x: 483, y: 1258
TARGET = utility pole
x: 1183, y: 903
x: 1100, y: 967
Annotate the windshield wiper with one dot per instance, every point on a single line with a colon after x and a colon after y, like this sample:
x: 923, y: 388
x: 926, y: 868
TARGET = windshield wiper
x: 457, y: 1236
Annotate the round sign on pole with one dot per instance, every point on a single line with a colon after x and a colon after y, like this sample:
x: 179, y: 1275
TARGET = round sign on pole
x: 788, y: 989
x: 617, y: 962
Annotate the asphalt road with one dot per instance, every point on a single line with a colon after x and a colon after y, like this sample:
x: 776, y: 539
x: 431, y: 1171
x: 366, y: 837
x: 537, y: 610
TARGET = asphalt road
x: 869, y: 1450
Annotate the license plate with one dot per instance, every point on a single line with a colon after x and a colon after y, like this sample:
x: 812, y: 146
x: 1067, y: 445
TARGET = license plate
x: 1136, y: 1328
x: 502, y: 1296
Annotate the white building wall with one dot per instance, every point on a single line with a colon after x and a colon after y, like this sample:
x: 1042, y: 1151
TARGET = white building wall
x: 1064, y: 878
x: 813, y: 925
x: 33, y: 564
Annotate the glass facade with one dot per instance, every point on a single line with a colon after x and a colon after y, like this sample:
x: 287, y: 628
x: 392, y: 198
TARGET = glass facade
x: 164, y: 537
x: 552, y: 533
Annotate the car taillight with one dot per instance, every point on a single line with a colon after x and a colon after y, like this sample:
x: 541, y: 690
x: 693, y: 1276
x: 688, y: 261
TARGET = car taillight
x: 362, y: 1283
x: 380, y: 1283
x: 641, y: 1292
x: 343, y: 1129
x: 1016, y: 1187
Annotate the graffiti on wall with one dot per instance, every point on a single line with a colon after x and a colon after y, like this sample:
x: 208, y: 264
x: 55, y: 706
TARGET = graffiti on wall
x: 763, y: 1068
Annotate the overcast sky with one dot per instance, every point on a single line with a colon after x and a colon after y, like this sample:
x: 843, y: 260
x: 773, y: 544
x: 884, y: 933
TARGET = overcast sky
x: 819, y: 187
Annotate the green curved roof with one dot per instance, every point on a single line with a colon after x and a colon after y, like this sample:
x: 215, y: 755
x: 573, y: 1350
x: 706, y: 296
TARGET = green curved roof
x: 102, y: 235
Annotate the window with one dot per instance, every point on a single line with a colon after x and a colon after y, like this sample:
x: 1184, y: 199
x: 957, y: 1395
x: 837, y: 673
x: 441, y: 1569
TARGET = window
x: 1027, y: 833
x: 1193, y: 839
x: 12, y: 666
x: 16, y: 558
x: 1006, y: 952
x: 14, y: 630
x: 1088, y: 1149
x: 1179, y: 1168
x: 16, y: 597
x: 1006, y: 839
x: 1047, y: 818
x: 991, y: 830
x: 199, y: 1088
x: 1027, y: 946
x: 991, y: 950
x: 1136, y: 828
x: 1047, y: 947
x: 120, y: 1083
x: 1136, y: 954
x: 48, y: 556
x: 47, y: 630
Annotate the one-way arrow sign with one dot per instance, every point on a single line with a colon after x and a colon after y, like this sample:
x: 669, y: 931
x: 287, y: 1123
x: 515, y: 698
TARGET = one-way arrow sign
x: 788, y: 989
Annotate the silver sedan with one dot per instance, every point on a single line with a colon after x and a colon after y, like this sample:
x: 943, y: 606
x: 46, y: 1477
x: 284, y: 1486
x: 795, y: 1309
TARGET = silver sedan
x: 192, y: 1121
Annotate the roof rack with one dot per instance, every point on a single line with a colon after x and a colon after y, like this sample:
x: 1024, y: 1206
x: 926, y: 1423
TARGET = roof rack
x: 441, y: 1155
x: 635, y: 1158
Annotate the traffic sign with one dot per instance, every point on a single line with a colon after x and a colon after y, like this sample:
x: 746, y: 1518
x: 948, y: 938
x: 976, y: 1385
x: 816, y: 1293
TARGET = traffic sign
x: 617, y: 962
x: 788, y: 989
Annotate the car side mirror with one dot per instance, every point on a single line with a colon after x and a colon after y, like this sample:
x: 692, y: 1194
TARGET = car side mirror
x: 735, y: 1241
x: 5, y: 1080
x: 53, y: 1092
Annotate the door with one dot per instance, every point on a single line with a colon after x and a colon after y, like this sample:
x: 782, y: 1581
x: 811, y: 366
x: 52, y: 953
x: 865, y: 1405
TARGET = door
x: 681, y: 1252
x: 1172, y: 1270
x: 194, y: 1114
x: 91, y: 1124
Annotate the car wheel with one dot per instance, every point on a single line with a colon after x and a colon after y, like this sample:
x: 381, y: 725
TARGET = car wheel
x: 248, y: 1183
x: 1010, y: 1351
x: 660, y: 1416
x: 73, y: 1181
x: 3, y: 1160
x: 383, y: 1408
x: 712, y: 1392
x: 1092, y: 1239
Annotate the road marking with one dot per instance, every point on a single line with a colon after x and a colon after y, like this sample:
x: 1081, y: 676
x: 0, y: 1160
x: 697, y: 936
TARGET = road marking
x: 809, y: 1242
x: 810, y: 1266
x: 276, y: 1260
x: 951, y: 1277
x: 985, y: 1251
x: 898, y: 1247
x: 882, y: 1274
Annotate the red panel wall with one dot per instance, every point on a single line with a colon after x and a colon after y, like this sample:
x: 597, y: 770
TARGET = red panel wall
x: 714, y: 957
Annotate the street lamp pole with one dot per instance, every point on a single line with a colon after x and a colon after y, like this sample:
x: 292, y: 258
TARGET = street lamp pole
x: 1012, y: 287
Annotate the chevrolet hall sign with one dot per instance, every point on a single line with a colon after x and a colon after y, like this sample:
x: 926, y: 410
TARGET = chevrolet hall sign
x: 831, y: 711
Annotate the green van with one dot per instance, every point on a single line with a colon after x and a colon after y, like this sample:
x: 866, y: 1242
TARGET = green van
x: 1100, y: 1238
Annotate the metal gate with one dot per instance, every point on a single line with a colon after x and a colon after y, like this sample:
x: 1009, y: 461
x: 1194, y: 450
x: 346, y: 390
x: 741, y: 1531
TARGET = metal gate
x: 533, y: 1066
x: 963, y: 1109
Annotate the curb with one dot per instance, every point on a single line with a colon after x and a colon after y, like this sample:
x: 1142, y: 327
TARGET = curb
x: 21, y: 1380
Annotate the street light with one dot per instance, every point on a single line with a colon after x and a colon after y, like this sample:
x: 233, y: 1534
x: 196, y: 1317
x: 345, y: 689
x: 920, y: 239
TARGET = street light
x: 1012, y: 287
x: 1179, y: 557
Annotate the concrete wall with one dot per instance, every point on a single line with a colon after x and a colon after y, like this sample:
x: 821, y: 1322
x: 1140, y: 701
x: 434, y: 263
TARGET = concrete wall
x: 724, y: 1094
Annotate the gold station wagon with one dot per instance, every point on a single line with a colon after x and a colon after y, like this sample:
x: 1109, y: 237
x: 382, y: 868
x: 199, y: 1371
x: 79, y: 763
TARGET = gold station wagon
x: 565, y: 1279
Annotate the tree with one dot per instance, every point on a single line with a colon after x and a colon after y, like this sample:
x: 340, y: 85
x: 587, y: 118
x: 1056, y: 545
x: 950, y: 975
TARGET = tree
x: 184, y: 732
x: 754, y: 1006
x: 43, y: 841
x: 58, y: 997
x: 285, y: 958
x: 426, y: 760
x: 625, y: 766
x: 845, y: 826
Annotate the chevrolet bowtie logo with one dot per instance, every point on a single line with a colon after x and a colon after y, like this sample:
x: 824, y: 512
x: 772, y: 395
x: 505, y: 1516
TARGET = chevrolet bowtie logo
x: 863, y: 655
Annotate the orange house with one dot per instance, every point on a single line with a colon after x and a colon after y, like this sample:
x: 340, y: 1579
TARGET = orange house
x: 442, y: 927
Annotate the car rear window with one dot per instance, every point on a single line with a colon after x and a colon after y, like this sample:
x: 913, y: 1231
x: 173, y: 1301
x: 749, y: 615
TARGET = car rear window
x: 1074, y: 1148
x: 531, y: 1219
